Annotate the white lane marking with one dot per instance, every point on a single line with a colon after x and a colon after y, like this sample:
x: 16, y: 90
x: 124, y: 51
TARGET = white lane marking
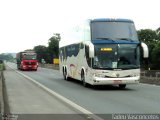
x: 150, y: 84
x: 81, y: 109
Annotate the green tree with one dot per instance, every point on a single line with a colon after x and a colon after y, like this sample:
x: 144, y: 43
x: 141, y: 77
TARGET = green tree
x: 158, y: 33
x: 151, y: 38
x: 53, y: 46
x: 147, y: 35
x: 42, y: 53
x: 29, y: 50
x: 156, y: 56
x: 6, y: 57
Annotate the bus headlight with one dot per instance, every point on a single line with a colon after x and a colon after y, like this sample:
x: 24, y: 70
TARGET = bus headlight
x: 134, y: 75
x: 99, y: 75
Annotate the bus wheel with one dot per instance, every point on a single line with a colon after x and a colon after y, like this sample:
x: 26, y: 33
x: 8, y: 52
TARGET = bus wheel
x: 83, y: 79
x: 65, y: 75
x: 122, y: 86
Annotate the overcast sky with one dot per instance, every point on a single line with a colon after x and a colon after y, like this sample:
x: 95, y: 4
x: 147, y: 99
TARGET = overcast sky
x: 28, y: 23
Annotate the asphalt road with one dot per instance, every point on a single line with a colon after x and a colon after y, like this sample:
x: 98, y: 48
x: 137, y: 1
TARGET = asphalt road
x: 100, y: 100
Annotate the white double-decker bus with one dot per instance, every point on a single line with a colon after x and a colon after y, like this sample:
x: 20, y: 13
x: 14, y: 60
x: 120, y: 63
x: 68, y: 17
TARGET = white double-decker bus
x: 102, y: 52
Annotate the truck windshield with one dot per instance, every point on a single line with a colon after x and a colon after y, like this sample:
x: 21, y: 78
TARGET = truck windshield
x: 29, y: 56
x: 116, y: 56
x: 113, y: 30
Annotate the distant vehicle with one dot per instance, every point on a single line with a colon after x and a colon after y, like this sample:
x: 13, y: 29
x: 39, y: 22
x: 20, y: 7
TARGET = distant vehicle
x: 27, y: 60
x: 102, y: 52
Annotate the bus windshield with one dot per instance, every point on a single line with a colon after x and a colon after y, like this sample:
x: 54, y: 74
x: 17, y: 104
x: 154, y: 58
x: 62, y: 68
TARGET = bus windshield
x: 116, y: 56
x: 113, y: 30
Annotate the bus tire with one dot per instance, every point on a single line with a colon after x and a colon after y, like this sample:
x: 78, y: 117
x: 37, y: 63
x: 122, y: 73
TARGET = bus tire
x: 65, y: 74
x: 122, y: 86
x: 83, y: 79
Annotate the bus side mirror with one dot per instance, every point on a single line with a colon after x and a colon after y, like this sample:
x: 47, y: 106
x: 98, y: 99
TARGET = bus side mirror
x: 145, y: 50
x: 91, y: 51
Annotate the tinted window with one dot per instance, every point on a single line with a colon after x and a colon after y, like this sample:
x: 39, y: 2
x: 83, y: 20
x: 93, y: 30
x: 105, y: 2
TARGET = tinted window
x: 113, y: 30
x: 117, y: 56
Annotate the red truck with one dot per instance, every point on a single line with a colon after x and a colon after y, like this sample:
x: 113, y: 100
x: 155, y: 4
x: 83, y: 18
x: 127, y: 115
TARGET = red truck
x: 27, y: 60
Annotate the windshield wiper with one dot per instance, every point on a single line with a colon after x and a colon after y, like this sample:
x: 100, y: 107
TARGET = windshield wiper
x: 103, y: 38
x: 126, y: 39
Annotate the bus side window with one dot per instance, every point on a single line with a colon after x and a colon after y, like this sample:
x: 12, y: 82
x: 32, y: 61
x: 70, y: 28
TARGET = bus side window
x: 87, y: 55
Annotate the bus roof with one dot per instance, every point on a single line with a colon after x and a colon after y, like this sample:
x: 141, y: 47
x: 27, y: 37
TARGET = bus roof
x: 111, y: 20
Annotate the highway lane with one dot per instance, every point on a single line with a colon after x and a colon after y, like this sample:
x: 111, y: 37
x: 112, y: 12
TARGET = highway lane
x: 140, y: 98
x: 29, y: 101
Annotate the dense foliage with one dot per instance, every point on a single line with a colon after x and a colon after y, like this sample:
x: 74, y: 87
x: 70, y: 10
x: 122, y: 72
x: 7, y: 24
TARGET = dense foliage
x: 152, y: 39
x: 6, y: 56
x: 48, y: 53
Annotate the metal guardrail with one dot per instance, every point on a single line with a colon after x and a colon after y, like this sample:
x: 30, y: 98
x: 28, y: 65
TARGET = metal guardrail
x: 151, y: 73
x: 150, y: 77
x: 154, y: 74
x: 50, y: 66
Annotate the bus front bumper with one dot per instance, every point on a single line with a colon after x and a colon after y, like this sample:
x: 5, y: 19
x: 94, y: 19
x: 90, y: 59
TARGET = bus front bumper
x: 115, y: 81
